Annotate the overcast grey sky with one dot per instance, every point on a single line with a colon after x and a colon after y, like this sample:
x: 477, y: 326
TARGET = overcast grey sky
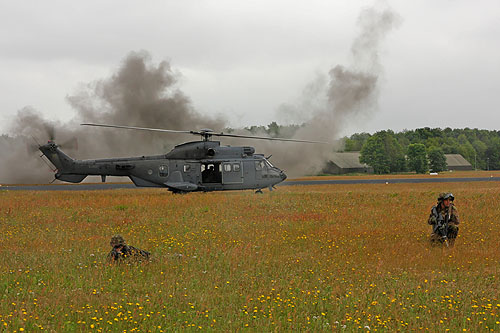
x: 246, y: 59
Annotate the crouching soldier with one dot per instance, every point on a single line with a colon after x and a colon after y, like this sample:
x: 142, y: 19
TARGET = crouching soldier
x: 444, y: 220
x: 123, y: 251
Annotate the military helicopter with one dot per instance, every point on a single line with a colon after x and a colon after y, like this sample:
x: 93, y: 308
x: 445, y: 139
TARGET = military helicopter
x: 193, y: 166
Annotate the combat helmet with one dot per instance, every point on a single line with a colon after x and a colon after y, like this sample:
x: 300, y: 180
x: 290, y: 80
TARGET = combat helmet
x: 444, y: 196
x: 117, y: 240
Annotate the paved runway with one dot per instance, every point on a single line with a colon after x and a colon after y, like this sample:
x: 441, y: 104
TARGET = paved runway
x: 110, y: 186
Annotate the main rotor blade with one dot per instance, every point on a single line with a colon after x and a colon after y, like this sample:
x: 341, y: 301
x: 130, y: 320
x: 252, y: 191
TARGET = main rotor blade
x: 138, y: 128
x: 266, y: 138
x: 203, y: 133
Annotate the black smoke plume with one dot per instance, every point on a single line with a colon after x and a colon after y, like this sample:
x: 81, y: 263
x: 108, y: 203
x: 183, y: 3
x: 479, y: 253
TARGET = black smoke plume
x: 140, y: 94
x: 329, y: 104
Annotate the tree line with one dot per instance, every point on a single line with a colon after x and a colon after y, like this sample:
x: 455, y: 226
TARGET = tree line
x: 420, y: 150
x: 423, y: 149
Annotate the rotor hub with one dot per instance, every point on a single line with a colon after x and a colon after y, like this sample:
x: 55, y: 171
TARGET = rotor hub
x: 206, y: 134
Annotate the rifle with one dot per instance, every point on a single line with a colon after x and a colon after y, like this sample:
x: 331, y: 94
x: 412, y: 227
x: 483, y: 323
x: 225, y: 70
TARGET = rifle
x: 441, y: 226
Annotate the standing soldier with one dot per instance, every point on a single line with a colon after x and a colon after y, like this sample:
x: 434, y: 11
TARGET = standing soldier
x: 123, y: 251
x: 444, y: 220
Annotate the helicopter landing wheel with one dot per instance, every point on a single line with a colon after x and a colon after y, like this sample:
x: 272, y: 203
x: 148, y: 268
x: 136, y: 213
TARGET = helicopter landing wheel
x: 179, y: 192
x: 259, y: 191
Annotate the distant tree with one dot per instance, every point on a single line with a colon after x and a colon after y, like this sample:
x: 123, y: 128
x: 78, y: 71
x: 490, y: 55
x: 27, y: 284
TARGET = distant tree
x: 467, y: 151
x: 373, y: 154
x: 417, y: 158
x: 493, y: 155
x: 355, y: 142
x: 480, y: 148
x: 256, y: 129
x: 403, y: 139
x: 288, y: 131
x: 450, y: 145
x: 437, y: 160
x: 273, y: 129
x: 383, y: 153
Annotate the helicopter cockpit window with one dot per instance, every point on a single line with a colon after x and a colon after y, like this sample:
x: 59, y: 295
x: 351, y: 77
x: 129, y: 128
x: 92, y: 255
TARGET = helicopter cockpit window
x: 187, y: 167
x: 259, y: 165
x: 236, y: 167
x: 163, y: 170
x: 227, y: 167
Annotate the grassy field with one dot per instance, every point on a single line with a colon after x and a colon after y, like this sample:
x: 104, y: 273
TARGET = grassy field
x: 302, y: 258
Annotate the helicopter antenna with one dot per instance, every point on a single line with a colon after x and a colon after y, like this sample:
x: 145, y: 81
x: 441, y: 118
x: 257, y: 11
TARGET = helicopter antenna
x: 205, y: 133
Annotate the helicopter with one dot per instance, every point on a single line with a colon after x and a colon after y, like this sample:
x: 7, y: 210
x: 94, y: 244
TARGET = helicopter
x: 203, y: 165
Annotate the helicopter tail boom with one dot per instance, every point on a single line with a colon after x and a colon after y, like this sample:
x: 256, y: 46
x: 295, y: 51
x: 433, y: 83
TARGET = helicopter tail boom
x: 75, y: 171
x: 62, y: 162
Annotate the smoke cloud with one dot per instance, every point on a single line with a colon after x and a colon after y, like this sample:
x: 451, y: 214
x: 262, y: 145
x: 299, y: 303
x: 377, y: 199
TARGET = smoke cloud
x: 140, y: 94
x: 329, y: 104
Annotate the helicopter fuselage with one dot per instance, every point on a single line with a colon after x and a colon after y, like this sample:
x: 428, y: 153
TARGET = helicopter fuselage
x: 192, y: 166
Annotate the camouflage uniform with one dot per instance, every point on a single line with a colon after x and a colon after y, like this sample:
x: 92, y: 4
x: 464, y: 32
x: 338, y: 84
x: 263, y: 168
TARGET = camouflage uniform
x: 439, y: 211
x: 123, y: 251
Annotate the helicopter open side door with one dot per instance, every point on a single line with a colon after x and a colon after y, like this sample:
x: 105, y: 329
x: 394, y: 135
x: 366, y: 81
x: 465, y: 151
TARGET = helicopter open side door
x: 211, y: 173
x: 232, y: 172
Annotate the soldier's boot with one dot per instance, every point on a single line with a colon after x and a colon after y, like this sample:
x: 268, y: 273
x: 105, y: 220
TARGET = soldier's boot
x: 435, y: 239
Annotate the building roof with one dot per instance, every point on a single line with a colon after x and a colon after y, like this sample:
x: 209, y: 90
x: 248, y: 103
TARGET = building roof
x: 456, y: 160
x: 347, y: 160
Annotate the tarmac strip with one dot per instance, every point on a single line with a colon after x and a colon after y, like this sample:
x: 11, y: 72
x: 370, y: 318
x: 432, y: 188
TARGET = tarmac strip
x: 389, y: 181
x: 113, y: 186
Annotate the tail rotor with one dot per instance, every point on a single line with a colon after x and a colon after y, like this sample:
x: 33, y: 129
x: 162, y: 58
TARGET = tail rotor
x: 50, y: 132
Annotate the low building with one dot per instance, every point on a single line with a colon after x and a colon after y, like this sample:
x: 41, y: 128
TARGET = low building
x: 347, y: 162
x: 457, y: 162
